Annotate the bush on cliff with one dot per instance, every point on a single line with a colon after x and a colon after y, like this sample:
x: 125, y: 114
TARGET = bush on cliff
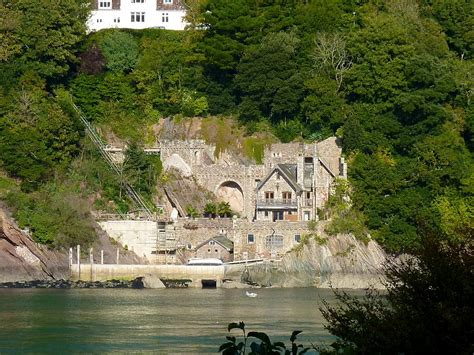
x: 56, y: 218
x: 427, y: 308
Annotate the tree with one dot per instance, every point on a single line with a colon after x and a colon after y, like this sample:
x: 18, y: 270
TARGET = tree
x: 9, y: 24
x: 210, y: 210
x: 457, y: 20
x: 139, y: 170
x: 223, y: 209
x: 427, y: 307
x: 267, y: 77
x: 192, y: 212
x: 48, y: 32
x: 37, y: 137
x: 120, y: 49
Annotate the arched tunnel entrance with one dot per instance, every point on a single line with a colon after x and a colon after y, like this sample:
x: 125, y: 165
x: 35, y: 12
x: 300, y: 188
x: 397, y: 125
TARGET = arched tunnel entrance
x: 231, y: 192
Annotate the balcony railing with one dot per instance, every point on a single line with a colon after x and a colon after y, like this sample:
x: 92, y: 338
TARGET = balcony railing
x: 271, y: 202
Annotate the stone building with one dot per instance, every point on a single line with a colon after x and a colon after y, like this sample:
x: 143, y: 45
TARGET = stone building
x: 218, y: 247
x: 275, y: 201
x: 294, y: 180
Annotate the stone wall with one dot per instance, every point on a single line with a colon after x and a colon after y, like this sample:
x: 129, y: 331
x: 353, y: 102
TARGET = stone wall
x: 186, y: 234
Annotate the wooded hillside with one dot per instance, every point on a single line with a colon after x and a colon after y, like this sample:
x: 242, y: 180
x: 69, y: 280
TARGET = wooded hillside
x: 393, y: 79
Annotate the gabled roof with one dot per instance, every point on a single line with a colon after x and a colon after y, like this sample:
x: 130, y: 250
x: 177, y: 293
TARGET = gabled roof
x: 288, y: 171
x: 326, y: 166
x: 222, y: 240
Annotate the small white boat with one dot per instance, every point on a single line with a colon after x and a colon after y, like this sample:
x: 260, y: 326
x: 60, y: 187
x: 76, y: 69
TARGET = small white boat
x: 205, y: 262
x: 251, y: 294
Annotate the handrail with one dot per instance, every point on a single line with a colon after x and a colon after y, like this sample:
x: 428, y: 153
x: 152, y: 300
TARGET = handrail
x: 97, y: 140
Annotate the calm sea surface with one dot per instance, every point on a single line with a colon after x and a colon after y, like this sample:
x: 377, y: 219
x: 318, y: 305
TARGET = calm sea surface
x: 165, y: 321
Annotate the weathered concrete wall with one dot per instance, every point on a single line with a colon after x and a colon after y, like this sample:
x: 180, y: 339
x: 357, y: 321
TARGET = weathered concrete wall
x: 139, y: 236
x: 98, y: 272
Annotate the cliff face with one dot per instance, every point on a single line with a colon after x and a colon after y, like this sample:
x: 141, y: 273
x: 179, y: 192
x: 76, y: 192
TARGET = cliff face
x: 340, y: 261
x: 22, y: 260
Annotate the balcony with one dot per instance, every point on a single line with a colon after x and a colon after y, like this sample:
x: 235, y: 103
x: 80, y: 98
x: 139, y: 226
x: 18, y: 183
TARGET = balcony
x: 276, y: 203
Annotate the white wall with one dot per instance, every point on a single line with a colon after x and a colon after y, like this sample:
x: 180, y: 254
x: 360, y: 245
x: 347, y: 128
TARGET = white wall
x: 101, y: 19
x: 138, y: 236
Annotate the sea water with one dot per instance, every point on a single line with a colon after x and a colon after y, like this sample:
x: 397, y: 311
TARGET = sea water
x: 162, y: 321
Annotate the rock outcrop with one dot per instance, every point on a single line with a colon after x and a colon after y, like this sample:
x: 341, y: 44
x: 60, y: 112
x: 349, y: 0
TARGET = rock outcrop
x: 339, y: 261
x: 23, y: 260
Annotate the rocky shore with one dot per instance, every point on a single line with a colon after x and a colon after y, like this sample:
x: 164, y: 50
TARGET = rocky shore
x: 67, y: 284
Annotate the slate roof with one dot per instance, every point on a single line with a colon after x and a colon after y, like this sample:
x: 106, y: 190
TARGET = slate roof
x: 288, y: 171
x: 222, y: 240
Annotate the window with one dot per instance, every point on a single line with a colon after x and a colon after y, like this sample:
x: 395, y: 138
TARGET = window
x: 277, y: 216
x: 277, y: 176
x: 269, y: 195
x: 250, y: 238
x: 105, y: 4
x: 164, y: 17
x: 208, y: 250
x: 215, y: 250
x: 212, y: 242
x: 138, y: 1
x: 266, y: 213
x: 308, y: 194
x: 117, y: 19
x: 286, y: 195
x: 274, y: 242
x: 306, y: 215
x: 137, y: 16
x: 297, y: 238
x: 167, y: 2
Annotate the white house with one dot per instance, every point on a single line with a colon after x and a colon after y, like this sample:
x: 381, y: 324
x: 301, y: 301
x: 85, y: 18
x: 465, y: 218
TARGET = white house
x: 137, y: 14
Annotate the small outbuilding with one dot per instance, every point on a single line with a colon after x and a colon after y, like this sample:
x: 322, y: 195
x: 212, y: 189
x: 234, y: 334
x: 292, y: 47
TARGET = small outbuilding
x: 219, y: 247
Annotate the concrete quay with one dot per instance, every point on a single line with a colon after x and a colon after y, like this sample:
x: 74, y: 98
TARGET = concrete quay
x: 199, y: 276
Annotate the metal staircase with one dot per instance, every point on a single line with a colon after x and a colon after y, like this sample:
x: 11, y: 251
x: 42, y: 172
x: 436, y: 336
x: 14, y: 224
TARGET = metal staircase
x: 101, y: 145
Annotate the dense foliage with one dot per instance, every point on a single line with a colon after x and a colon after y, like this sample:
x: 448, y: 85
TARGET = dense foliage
x: 426, y: 308
x: 392, y: 78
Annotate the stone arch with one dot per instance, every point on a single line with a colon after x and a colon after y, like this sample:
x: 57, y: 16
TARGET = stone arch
x: 231, y: 191
x: 175, y: 161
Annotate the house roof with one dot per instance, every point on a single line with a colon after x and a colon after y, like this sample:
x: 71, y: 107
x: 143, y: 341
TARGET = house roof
x: 326, y: 166
x: 222, y: 240
x: 288, y: 171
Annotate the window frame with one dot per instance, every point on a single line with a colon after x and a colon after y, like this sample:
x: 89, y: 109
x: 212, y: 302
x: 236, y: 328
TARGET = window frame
x: 250, y: 236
